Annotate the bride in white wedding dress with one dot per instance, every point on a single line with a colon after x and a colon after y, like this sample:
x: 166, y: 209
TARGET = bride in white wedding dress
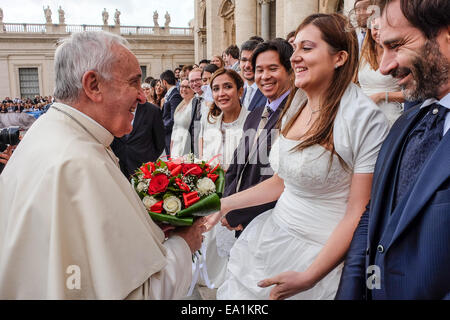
x: 323, y: 162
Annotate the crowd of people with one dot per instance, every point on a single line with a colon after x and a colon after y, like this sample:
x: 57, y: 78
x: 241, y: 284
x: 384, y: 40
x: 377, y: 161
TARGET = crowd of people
x: 18, y: 105
x: 336, y: 150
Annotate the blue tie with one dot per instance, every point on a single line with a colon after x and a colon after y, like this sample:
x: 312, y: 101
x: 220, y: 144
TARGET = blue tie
x: 420, y: 144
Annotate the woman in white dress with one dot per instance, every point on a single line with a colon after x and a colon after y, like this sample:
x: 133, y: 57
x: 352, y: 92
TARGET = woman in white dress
x: 323, y: 161
x: 221, y: 131
x: 180, y: 144
x: 383, y: 90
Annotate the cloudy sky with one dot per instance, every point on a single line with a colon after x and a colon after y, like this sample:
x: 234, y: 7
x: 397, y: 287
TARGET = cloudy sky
x: 133, y: 12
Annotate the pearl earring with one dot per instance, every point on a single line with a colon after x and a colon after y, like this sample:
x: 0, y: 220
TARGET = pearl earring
x: 336, y: 66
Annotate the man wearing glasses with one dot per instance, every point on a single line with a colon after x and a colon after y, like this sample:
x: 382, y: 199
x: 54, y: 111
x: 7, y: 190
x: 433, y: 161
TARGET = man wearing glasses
x: 198, y: 107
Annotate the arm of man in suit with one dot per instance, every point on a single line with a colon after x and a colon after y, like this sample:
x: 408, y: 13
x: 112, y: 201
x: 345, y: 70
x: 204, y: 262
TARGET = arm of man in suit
x: 174, y: 102
x: 158, y: 131
x: 353, y: 278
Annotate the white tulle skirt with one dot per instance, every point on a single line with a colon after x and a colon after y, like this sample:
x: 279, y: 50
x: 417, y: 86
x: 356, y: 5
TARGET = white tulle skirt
x: 265, y: 249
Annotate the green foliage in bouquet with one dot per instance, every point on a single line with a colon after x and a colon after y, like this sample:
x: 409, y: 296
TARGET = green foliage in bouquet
x: 180, y: 185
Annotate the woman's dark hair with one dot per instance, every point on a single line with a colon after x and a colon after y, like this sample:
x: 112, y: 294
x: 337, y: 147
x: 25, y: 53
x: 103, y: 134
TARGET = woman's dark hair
x: 155, y: 96
x: 290, y: 35
x: 214, y: 110
x: 211, y: 68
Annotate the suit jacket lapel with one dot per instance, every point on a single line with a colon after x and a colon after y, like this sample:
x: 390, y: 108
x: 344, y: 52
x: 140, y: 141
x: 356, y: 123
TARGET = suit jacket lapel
x: 388, y: 159
x: 262, y: 139
x: 243, y: 96
x: 137, y: 119
x: 433, y: 174
x: 256, y: 100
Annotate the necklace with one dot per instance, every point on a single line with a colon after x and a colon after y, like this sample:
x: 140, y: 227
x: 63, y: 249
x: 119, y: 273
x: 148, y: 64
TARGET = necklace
x: 312, y: 112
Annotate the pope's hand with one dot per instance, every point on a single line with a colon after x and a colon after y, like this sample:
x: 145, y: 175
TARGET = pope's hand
x: 193, y: 234
x: 287, y: 284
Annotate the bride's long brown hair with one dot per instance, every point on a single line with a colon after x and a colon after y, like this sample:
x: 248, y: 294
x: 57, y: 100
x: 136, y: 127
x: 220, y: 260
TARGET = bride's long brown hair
x: 336, y: 32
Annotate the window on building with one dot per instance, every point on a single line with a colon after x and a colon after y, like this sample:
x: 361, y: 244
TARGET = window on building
x: 29, y: 82
x: 144, y: 72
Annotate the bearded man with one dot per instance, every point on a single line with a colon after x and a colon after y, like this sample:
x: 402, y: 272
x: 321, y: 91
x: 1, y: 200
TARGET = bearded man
x: 399, y: 249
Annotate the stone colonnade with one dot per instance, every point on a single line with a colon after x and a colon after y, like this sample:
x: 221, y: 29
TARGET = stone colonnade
x: 252, y: 17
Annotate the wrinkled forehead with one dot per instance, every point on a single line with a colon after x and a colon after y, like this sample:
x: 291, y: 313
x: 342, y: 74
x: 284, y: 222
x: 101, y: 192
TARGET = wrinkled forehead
x: 393, y: 18
x: 195, y: 75
x: 393, y: 23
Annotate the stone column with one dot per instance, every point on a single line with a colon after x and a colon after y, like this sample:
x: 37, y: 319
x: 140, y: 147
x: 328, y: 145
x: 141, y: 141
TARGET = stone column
x: 281, y: 33
x: 245, y: 17
x: 265, y: 18
x: 296, y: 11
x: 213, y: 36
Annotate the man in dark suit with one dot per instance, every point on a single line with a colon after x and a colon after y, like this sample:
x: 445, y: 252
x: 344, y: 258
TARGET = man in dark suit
x: 198, y: 107
x: 271, y: 63
x: 252, y: 97
x: 144, y: 143
x: 171, y: 101
x: 399, y: 250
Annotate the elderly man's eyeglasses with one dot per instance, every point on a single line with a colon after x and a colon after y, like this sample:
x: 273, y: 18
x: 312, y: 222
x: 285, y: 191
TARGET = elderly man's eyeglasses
x: 195, y: 81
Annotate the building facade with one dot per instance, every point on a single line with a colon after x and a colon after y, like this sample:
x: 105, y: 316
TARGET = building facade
x: 220, y: 23
x: 27, y: 53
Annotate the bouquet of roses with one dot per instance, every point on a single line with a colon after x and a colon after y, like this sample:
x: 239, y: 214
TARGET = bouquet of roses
x: 177, y: 191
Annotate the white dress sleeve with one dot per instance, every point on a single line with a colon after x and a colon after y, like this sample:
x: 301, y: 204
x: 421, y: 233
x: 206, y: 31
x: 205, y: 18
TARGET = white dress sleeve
x: 360, y: 128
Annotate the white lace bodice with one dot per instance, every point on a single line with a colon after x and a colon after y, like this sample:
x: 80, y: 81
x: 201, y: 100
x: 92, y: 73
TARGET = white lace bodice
x: 308, y: 172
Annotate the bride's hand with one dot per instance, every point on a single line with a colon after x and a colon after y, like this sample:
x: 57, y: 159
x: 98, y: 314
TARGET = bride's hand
x: 212, y: 220
x: 287, y: 284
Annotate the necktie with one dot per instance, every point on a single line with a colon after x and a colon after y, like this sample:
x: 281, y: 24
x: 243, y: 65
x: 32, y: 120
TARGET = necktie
x: 263, y: 122
x: 198, y: 109
x: 420, y: 144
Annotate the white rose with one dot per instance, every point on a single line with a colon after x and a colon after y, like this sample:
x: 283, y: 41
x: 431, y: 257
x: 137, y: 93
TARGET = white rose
x: 172, y: 205
x: 141, y: 186
x: 149, y: 201
x: 205, y: 186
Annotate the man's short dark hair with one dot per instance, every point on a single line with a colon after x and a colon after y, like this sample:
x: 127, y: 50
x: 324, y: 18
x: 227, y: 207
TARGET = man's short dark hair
x: 204, y: 61
x: 429, y: 16
x: 249, y: 45
x: 169, y: 76
x: 233, y: 51
x: 211, y: 68
x: 281, y: 46
x: 177, y: 68
x: 148, y: 79
x: 257, y: 38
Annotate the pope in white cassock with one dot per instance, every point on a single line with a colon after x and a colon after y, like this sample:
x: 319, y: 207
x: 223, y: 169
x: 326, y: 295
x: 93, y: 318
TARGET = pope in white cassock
x: 71, y: 225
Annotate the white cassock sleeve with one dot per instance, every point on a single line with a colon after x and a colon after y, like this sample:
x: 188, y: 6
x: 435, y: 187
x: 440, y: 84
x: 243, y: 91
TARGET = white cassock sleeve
x: 173, y: 281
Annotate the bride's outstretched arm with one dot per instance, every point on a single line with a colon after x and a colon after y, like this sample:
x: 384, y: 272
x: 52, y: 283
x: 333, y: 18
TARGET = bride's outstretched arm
x: 290, y: 283
x: 264, y: 192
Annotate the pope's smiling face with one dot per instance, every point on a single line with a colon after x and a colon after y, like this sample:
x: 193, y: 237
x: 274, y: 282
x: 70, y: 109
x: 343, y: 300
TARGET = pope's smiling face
x: 122, y: 93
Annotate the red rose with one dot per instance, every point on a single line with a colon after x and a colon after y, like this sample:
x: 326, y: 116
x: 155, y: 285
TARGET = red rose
x: 192, y: 168
x: 158, y: 184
